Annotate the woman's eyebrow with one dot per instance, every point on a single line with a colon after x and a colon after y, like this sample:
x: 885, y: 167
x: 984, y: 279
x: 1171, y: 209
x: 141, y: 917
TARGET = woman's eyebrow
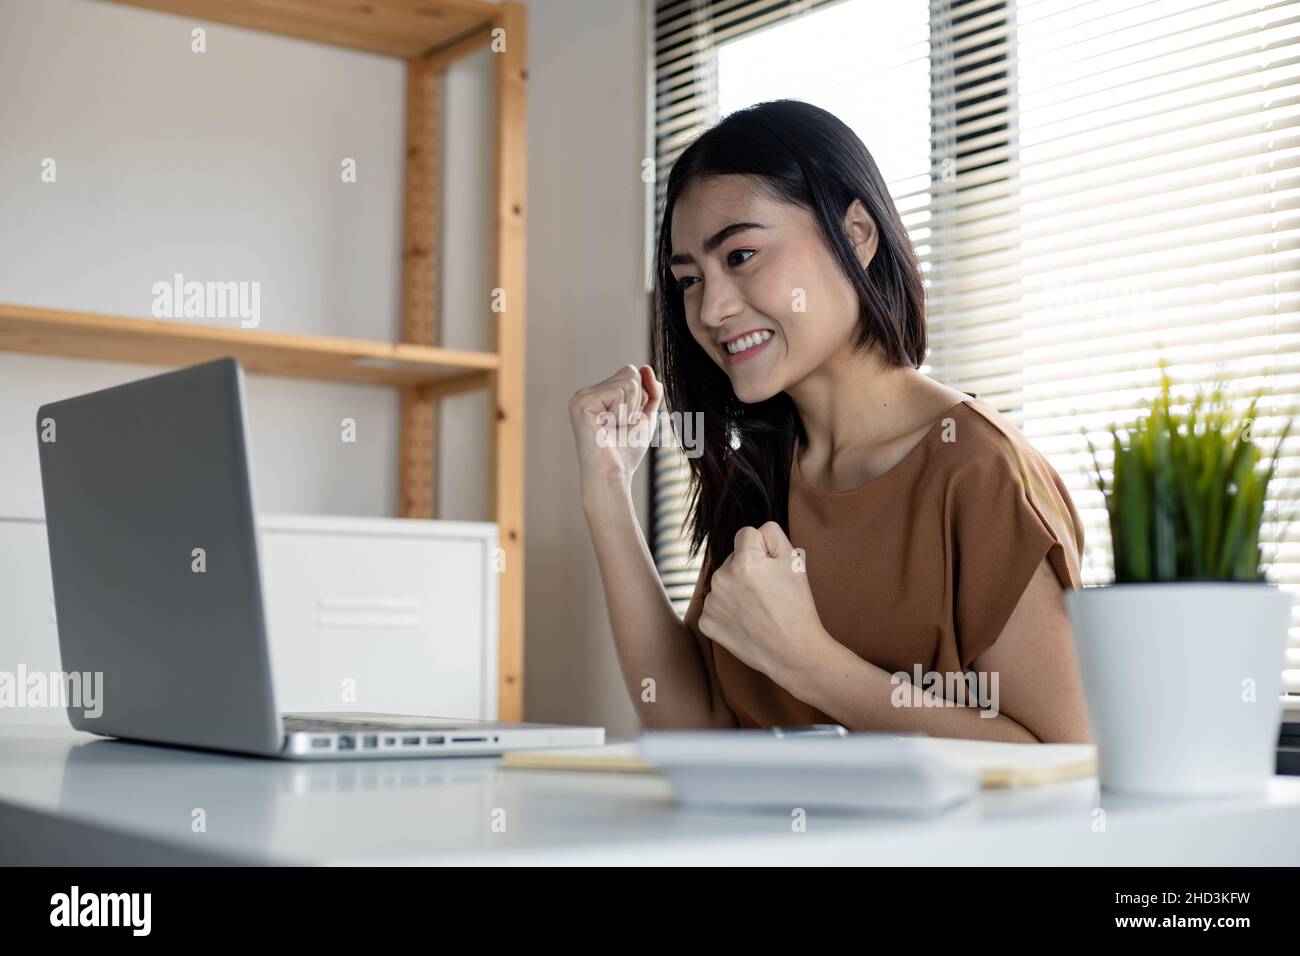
x: 717, y: 239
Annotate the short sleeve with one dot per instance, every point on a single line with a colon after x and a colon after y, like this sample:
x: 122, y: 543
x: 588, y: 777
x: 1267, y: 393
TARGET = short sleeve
x: 705, y: 646
x: 998, y: 536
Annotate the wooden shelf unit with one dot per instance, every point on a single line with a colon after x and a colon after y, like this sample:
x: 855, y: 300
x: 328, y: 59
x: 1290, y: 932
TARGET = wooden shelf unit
x: 428, y: 35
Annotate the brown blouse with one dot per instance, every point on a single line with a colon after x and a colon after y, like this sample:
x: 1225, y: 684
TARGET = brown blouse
x: 922, y: 565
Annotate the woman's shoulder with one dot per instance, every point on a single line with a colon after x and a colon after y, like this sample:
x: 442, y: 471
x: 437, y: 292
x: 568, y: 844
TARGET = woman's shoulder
x: 996, y: 468
x: 984, y: 441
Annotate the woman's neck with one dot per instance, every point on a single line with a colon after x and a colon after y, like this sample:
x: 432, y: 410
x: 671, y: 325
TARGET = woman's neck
x: 854, y: 402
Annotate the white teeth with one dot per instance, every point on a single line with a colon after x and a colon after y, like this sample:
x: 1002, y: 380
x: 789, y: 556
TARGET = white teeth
x: 748, y: 341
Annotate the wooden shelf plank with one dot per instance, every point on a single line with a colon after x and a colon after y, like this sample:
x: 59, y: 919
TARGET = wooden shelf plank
x: 417, y: 493
x: 508, y: 237
x: 113, y: 338
x: 402, y: 28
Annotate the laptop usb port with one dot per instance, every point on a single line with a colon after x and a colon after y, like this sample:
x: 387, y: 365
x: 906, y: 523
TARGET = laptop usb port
x: 320, y: 743
x: 371, y: 741
x: 347, y: 742
x: 433, y: 740
x: 410, y: 741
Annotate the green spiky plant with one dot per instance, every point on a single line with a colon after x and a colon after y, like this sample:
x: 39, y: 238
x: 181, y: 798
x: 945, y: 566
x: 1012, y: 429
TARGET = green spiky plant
x: 1187, y: 497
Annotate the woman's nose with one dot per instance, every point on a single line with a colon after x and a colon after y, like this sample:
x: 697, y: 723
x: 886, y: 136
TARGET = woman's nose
x: 719, y: 304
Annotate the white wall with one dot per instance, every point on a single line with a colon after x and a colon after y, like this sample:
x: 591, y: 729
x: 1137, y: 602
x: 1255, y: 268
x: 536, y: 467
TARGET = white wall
x: 225, y: 166
x: 221, y: 165
x: 587, y: 315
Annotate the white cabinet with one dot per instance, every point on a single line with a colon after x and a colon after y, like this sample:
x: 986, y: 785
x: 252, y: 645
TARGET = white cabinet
x: 363, y: 614
x: 29, y: 642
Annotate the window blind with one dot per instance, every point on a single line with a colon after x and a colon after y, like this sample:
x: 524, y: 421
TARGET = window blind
x: 1109, y: 183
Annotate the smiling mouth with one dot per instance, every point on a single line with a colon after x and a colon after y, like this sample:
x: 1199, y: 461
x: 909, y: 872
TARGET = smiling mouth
x: 749, y: 347
x: 747, y: 342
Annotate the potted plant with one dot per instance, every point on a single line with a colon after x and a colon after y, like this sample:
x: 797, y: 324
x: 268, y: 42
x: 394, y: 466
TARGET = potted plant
x: 1182, y: 656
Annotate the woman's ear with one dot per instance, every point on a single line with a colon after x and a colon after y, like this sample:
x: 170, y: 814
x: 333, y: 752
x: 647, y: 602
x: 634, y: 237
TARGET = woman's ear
x: 861, y: 230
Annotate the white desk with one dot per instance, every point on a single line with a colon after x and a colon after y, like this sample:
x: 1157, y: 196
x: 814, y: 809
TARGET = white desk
x: 68, y: 798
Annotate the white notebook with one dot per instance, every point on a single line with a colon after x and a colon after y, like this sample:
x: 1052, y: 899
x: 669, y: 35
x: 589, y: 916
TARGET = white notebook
x: 753, y: 768
x: 725, y: 766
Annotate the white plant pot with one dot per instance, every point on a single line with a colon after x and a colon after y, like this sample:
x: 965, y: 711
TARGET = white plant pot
x: 1183, y: 682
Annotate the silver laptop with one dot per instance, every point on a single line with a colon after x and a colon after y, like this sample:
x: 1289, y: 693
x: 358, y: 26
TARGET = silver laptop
x: 136, y: 478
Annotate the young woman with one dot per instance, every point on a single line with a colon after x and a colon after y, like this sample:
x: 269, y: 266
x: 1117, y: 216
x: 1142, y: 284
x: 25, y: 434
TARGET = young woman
x: 875, y: 543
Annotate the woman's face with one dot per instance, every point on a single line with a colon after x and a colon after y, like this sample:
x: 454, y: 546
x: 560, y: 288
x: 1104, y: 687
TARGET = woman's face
x: 755, y: 270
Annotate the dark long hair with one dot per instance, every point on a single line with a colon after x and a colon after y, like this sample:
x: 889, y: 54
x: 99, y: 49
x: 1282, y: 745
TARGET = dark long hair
x: 800, y: 154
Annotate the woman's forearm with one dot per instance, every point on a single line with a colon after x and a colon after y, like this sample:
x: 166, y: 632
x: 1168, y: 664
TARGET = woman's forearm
x: 861, y: 696
x: 652, y: 642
